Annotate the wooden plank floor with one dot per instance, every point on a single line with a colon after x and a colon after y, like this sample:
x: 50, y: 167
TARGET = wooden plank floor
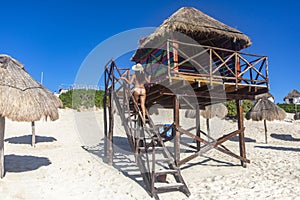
x: 200, y: 90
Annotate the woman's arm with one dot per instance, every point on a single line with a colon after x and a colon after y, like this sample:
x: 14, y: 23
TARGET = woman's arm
x: 129, y: 81
x: 148, y: 79
x: 132, y: 79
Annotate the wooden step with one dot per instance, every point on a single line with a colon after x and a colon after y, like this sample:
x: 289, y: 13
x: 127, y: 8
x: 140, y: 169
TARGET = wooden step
x: 156, y: 148
x: 135, y: 120
x: 167, y: 186
x: 165, y: 160
x: 165, y: 171
x: 145, y: 128
x: 168, y: 160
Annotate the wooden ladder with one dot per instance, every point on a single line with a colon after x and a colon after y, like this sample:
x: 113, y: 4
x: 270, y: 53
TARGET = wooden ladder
x: 149, y: 148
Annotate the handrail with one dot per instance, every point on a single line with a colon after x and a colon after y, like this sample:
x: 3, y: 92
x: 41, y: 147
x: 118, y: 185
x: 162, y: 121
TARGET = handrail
x: 238, y: 66
x: 216, y: 48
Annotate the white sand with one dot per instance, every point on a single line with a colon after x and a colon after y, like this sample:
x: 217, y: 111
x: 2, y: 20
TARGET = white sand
x: 59, y: 168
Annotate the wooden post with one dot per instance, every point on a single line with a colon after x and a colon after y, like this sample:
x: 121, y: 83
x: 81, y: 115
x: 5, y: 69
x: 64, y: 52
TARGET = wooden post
x: 198, y: 126
x: 105, y: 112
x: 267, y: 73
x: 266, y: 134
x: 175, y: 56
x: 210, y: 68
x: 177, y: 133
x: 237, y: 69
x: 169, y: 61
x: 111, y: 118
x: 2, y: 128
x: 240, y: 127
x: 33, y: 134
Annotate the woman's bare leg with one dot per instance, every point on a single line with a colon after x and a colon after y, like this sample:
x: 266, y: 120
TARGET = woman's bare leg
x: 143, y: 101
x: 136, y: 97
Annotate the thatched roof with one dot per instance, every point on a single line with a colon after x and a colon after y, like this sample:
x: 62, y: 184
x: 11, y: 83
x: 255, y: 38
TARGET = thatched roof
x: 21, y: 97
x: 292, y: 94
x: 210, y: 111
x: 202, y: 28
x: 264, y: 95
x: 265, y: 109
x: 215, y: 110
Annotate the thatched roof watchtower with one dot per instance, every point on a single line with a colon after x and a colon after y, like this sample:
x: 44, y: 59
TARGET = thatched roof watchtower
x: 194, y: 63
x: 202, y: 28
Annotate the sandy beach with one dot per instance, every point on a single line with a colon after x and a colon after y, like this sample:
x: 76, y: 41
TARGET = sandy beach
x: 67, y: 162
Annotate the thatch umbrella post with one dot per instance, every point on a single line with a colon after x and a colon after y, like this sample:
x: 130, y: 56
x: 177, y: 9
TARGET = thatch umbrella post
x: 264, y: 109
x: 208, y: 128
x: 2, y: 127
x: 211, y: 111
x: 266, y: 135
x: 33, y: 134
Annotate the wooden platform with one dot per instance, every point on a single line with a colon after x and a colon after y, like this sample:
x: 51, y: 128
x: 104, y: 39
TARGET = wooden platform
x: 195, y: 88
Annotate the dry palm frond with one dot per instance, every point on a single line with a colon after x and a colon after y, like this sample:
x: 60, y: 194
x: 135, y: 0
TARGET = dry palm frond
x: 21, y: 97
x: 265, y: 109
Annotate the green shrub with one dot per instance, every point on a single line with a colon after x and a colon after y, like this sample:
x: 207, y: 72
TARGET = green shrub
x: 289, y: 108
x: 81, y: 98
x: 231, y: 107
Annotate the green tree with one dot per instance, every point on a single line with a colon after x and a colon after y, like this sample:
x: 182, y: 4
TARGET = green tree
x: 66, y: 99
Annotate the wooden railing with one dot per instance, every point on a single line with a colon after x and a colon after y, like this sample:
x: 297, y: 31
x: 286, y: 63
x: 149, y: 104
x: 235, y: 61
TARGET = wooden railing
x: 210, y: 63
x: 220, y: 64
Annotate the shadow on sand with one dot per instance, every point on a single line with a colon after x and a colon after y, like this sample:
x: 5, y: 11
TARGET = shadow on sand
x: 208, y: 162
x: 124, y: 159
x: 26, y: 139
x: 279, y: 148
x: 18, y: 163
x: 286, y: 137
x: 236, y: 139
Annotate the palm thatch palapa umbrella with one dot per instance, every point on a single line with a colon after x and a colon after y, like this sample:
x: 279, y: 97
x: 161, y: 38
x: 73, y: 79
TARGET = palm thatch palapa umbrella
x: 195, y: 24
x: 22, y: 98
x: 215, y: 110
x: 265, y: 109
x: 292, y: 97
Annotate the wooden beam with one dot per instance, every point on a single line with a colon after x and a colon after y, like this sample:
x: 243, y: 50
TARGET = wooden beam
x: 177, y: 133
x: 111, y: 118
x: 226, y: 151
x: 198, y: 126
x: 241, y: 128
x: 229, y: 136
x: 105, y: 111
x: 181, y: 130
x: 200, y: 152
x: 175, y: 55
x: 209, y: 145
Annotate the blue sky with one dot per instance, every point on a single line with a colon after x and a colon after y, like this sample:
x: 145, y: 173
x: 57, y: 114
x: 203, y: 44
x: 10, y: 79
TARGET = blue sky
x: 55, y: 37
